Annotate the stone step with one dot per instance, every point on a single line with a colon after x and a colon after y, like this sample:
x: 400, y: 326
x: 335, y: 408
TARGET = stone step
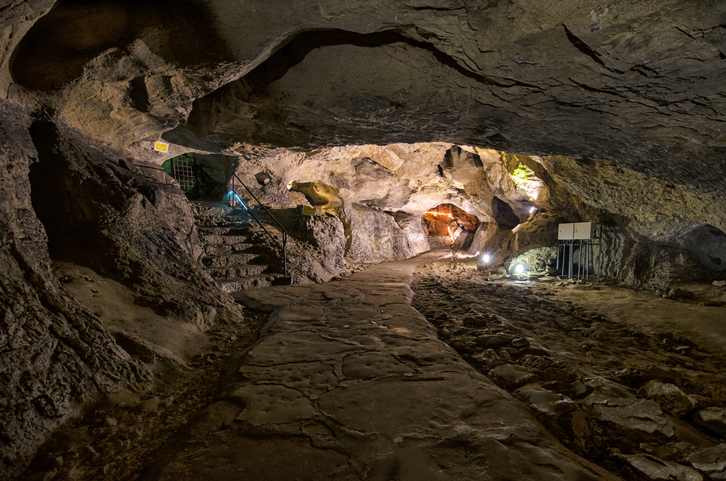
x: 232, y: 260
x: 223, y: 239
x: 225, y: 249
x: 235, y: 220
x: 222, y: 230
x: 236, y: 271
x: 243, y: 283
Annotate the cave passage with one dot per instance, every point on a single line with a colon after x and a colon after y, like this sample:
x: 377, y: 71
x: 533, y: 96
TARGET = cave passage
x: 445, y: 223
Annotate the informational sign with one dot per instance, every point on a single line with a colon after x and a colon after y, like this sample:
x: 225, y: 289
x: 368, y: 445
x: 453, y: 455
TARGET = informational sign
x: 304, y: 209
x: 160, y: 146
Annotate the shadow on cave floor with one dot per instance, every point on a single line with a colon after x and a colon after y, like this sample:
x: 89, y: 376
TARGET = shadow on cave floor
x: 589, y: 361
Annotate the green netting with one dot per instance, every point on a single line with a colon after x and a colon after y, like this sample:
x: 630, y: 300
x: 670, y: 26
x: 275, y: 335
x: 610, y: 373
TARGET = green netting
x: 192, y: 178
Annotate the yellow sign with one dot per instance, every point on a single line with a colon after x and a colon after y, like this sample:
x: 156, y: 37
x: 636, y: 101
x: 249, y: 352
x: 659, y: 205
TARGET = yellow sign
x: 161, y: 146
x: 304, y: 209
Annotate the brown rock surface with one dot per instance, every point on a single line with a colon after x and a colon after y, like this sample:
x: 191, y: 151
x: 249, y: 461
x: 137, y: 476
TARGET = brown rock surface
x: 55, y: 353
x: 359, y: 388
x: 619, y: 108
x: 578, y: 356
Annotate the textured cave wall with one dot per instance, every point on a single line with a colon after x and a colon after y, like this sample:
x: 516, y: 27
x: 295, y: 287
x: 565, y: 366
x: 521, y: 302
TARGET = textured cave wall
x: 16, y: 18
x: 636, y: 84
x: 654, y: 232
x: 64, y: 198
x: 54, y: 354
x: 102, y: 212
x: 621, y: 83
x: 379, y: 193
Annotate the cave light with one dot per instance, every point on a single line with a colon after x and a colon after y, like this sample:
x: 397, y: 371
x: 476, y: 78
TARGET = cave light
x: 519, y: 269
x: 234, y: 195
x: 486, y: 258
x: 533, y: 210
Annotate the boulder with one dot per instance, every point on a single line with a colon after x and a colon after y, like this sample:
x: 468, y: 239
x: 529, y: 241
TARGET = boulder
x: 713, y: 419
x: 511, y: 376
x: 634, y: 419
x: 711, y: 462
x: 654, y: 469
x: 670, y: 397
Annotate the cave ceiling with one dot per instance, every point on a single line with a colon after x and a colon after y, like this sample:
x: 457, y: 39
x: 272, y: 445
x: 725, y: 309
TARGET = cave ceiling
x: 638, y: 84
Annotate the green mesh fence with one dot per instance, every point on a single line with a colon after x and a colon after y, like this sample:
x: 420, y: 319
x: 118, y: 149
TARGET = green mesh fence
x: 190, y: 174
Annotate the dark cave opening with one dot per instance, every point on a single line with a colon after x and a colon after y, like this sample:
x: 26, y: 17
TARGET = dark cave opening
x: 51, y: 193
x: 74, y: 32
x: 504, y: 214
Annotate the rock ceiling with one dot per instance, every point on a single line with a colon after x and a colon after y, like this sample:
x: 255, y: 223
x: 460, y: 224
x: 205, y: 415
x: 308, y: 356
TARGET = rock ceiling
x: 623, y: 104
x: 638, y: 85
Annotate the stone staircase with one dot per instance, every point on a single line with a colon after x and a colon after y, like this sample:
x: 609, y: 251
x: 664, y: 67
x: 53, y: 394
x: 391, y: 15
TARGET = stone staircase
x: 231, y: 255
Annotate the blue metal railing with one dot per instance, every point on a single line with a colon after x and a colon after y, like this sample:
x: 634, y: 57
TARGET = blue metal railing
x: 233, y: 197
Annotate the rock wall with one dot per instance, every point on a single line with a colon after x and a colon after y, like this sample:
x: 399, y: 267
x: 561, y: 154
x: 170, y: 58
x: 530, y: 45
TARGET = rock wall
x: 54, y: 354
x: 64, y: 198
x: 633, y: 85
x: 104, y: 213
x: 653, y: 232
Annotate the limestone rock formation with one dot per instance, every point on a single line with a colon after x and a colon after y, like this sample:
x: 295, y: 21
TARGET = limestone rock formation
x: 370, y: 112
x: 66, y: 199
x: 55, y: 353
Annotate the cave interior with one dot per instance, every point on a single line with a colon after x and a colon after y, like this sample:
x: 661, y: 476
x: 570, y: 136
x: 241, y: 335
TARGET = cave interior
x: 324, y: 240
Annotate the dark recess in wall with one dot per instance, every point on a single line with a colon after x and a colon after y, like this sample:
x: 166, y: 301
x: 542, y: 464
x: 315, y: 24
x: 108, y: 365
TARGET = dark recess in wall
x: 50, y: 196
x: 56, y: 48
x: 503, y: 214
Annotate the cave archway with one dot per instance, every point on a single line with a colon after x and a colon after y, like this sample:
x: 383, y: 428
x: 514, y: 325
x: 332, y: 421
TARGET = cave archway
x: 445, y: 225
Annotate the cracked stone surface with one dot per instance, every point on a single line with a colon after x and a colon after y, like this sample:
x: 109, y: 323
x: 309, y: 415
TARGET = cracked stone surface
x: 348, y: 381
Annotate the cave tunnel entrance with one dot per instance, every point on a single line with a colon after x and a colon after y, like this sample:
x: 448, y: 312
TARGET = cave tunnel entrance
x: 200, y: 177
x: 445, y: 223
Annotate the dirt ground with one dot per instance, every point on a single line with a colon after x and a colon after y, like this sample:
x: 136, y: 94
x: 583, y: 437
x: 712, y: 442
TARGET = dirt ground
x: 627, y: 378
x: 114, y: 437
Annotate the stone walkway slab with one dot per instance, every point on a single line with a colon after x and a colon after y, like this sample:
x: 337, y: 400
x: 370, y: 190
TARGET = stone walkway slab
x: 349, y: 382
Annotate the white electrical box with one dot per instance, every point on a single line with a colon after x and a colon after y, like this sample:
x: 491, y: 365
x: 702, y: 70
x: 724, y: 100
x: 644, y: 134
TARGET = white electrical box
x: 585, y: 230
x: 566, y: 232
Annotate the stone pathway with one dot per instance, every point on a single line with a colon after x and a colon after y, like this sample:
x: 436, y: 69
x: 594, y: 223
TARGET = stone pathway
x: 349, y: 382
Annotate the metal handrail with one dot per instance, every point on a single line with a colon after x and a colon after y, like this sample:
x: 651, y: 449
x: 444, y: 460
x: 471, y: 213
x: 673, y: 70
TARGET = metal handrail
x: 283, y: 247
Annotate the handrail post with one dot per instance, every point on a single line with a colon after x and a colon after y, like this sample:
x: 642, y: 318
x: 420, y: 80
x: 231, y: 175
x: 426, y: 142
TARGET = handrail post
x: 284, y: 251
x: 284, y: 232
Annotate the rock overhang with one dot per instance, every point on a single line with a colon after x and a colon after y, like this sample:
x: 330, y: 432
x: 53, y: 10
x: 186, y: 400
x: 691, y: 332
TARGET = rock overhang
x: 635, y: 86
